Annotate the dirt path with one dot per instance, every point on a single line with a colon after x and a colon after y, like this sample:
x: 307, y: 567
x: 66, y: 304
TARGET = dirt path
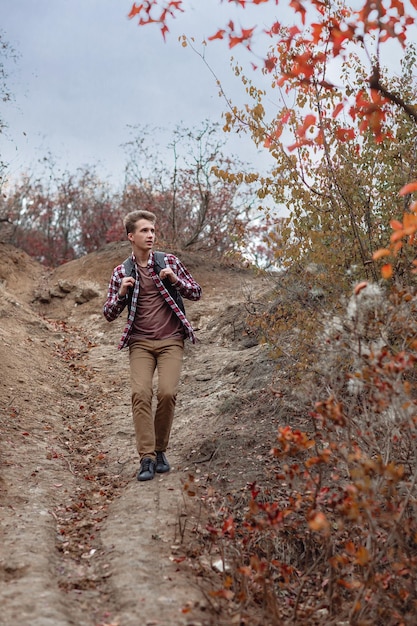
x: 82, y: 541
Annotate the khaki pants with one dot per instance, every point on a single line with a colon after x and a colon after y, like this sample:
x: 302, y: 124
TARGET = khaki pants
x: 165, y: 355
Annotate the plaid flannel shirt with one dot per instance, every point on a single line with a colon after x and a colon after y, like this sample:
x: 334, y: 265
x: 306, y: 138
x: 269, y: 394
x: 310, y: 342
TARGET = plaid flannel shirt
x: 186, y: 285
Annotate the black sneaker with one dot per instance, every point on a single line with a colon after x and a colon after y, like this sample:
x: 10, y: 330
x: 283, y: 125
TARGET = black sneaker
x: 162, y: 464
x: 147, y: 469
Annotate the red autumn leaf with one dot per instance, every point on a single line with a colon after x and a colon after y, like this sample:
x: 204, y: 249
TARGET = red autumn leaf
x: 349, y: 584
x: 229, y: 526
x: 164, y: 30
x: 135, y: 10
x: 274, y: 30
x: 219, y: 35
x: 386, y: 271
x: 396, y: 225
x: 337, y: 110
x: 309, y: 120
x: 362, y: 556
x: 381, y: 253
x: 293, y: 31
x: 359, y: 287
x: 270, y: 63
x: 227, y: 594
x: 299, y: 8
x: 185, y: 609
x: 410, y: 222
x: 318, y: 522
x: 345, y: 134
x: 278, y: 131
x: 285, y: 117
x: 177, y: 559
x: 300, y: 144
x: 211, y: 529
x: 409, y: 188
x: 397, y: 236
x: 245, y: 35
x: 317, y: 30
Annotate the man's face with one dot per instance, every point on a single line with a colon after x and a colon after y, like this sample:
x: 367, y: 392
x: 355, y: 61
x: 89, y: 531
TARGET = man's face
x: 143, y: 237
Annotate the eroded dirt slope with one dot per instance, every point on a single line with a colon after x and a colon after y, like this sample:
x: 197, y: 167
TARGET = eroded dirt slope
x: 82, y: 542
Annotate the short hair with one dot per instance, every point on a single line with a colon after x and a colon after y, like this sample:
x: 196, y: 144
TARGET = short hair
x: 133, y: 217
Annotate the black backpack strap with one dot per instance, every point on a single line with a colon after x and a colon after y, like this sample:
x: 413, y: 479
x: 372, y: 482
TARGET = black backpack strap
x: 129, y: 267
x: 158, y: 265
x: 158, y: 261
x: 130, y: 270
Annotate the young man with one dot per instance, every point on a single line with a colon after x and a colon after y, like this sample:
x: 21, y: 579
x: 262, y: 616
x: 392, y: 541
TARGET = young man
x: 155, y: 331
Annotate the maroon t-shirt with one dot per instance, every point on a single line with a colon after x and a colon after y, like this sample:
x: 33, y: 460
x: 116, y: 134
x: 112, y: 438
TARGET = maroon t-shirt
x: 154, y: 318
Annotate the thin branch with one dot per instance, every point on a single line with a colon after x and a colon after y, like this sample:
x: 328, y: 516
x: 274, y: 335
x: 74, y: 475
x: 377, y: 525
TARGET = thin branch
x: 375, y: 83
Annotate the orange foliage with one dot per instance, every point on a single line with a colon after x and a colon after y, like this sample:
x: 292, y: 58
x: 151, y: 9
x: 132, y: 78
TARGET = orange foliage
x: 319, y: 28
x: 404, y: 232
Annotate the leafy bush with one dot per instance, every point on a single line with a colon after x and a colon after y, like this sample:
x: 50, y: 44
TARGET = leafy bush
x: 330, y: 536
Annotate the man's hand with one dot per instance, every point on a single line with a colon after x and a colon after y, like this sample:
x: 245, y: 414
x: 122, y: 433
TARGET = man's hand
x: 167, y: 272
x: 127, y: 282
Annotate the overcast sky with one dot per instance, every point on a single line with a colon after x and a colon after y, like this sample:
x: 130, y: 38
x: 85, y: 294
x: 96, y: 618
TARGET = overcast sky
x: 84, y: 73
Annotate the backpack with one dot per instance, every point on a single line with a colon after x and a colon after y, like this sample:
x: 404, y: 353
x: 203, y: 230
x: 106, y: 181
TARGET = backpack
x: 159, y: 264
